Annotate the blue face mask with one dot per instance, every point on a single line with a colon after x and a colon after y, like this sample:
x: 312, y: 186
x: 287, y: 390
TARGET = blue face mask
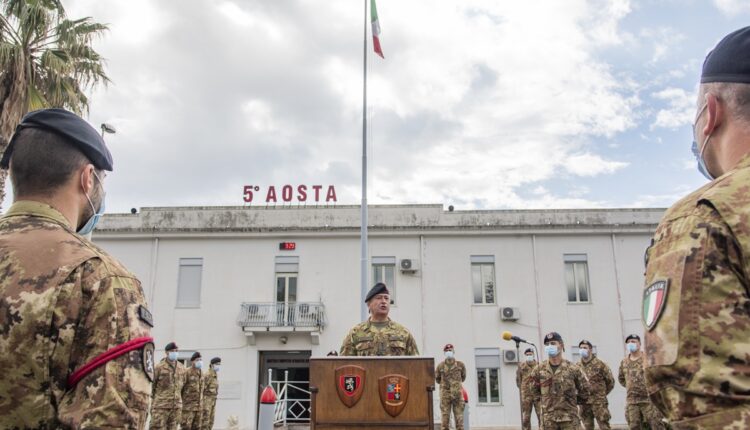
x: 585, y: 353
x: 698, y: 153
x: 216, y: 367
x: 551, y: 350
x: 91, y: 223
x: 448, y: 354
x: 172, y: 356
x: 199, y: 364
x: 529, y: 358
x: 632, y: 347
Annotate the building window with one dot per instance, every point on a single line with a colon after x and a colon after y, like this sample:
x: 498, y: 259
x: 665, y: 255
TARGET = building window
x: 488, y: 375
x: 189, y: 283
x: 483, y: 278
x: 577, y: 278
x: 384, y: 270
x: 287, y: 269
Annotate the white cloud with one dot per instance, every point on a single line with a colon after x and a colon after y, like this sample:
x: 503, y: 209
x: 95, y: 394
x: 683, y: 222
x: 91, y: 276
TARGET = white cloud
x: 592, y: 165
x: 679, y: 111
x: 732, y: 7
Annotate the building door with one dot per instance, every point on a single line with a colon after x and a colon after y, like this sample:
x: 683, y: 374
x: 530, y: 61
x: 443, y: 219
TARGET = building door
x: 286, y: 297
x: 290, y: 377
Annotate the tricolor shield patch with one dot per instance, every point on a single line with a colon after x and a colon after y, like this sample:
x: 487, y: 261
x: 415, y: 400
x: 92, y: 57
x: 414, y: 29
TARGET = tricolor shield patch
x: 654, y: 299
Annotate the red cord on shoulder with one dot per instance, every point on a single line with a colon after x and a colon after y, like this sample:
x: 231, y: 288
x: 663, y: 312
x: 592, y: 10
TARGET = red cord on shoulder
x: 106, y: 356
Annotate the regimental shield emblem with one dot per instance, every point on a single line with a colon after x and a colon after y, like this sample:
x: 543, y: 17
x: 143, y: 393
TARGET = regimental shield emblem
x: 147, y: 359
x: 654, y: 299
x: 350, y: 383
x: 394, y: 392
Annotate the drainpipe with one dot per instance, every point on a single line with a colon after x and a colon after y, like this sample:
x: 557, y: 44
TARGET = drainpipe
x: 617, y: 285
x: 152, y: 277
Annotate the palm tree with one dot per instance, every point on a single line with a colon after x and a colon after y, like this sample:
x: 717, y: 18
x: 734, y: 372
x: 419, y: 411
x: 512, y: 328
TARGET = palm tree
x: 46, y: 60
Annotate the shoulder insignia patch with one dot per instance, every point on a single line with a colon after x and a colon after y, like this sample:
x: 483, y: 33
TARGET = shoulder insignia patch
x: 654, y: 299
x: 148, y: 360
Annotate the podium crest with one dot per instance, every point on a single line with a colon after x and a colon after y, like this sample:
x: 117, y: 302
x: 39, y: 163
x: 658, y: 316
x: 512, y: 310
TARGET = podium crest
x: 350, y: 384
x: 394, y: 392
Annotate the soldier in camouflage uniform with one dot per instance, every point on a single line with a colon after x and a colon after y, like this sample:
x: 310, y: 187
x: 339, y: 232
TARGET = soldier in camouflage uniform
x: 525, y: 386
x: 450, y: 373
x: 379, y: 335
x: 75, y: 345
x: 169, y: 378
x: 210, y: 391
x: 601, y: 382
x: 695, y: 302
x: 560, y: 386
x: 192, y: 394
x: 639, y: 409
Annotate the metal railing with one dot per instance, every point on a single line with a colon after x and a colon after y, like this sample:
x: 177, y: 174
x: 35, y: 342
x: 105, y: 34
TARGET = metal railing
x: 298, y: 314
x: 296, y: 410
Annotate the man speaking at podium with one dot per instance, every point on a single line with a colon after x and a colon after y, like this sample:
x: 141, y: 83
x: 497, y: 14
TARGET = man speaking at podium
x: 379, y: 335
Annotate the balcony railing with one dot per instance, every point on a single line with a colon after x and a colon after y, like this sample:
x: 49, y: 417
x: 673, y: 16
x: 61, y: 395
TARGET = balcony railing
x: 292, y: 315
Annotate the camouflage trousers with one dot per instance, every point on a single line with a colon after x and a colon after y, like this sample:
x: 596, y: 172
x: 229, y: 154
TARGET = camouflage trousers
x: 639, y: 414
x: 191, y: 420
x: 450, y: 403
x: 527, y: 403
x: 165, y: 419
x: 207, y: 416
x: 589, y: 412
x: 561, y: 425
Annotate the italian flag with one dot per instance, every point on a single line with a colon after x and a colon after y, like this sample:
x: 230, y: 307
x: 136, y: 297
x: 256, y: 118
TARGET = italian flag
x: 375, y: 29
x: 652, y: 304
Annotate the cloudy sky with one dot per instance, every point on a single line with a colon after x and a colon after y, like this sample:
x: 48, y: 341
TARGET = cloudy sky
x: 479, y: 103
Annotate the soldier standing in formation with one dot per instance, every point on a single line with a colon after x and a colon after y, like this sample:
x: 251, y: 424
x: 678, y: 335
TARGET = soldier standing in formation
x: 75, y: 345
x: 696, y: 297
x: 639, y: 409
x: 560, y: 386
x: 601, y: 382
x: 525, y: 386
x: 169, y: 377
x: 192, y: 394
x: 450, y: 374
x: 379, y: 335
x: 210, y: 391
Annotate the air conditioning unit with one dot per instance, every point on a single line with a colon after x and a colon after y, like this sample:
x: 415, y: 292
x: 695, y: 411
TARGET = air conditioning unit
x: 510, y: 314
x: 409, y: 265
x: 510, y: 356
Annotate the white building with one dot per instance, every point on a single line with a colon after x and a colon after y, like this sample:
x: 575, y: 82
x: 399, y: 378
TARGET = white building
x: 208, y: 270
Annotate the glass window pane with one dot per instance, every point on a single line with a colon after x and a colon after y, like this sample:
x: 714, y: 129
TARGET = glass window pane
x: 292, y: 289
x: 280, y: 287
x: 476, y: 282
x: 388, y: 276
x: 570, y: 282
x: 494, y: 386
x: 377, y: 273
x: 482, y: 385
x: 488, y: 280
x: 582, y: 279
x: 189, y: 284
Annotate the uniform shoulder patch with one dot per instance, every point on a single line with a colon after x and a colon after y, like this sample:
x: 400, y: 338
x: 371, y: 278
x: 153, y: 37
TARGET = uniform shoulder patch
x: 148, y: 360
x: 145, y: 315
x: 654, y: 300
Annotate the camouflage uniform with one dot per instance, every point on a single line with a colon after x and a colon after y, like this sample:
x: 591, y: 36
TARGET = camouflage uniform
x: 524, y: 384
x: 192, y: 399
x: 64, y: 301
x: 210, y: 391
x: 560, y: 390
x: 450, y: 374
x: 368, y: 338
x: 166, y: 409
x: 601, y: 383
x: 697, y: 357
x: 639, y: 409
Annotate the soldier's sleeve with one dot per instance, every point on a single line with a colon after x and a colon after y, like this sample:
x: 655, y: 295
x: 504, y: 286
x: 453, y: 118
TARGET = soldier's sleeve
x: 518, y: 376
x: 582, y: 385
x: 535, y: 385
x: 439, y: 373
x: 155, y: 382
x: 411, y: 346
x: 347, y: 346
x: 463, y: 371
x: 608, y: 378
x: 115, y: 394
x: 621, y: 375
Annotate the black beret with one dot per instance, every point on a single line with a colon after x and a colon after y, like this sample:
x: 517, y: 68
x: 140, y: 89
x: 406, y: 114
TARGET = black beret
x: 70, y: 127
x: 170, y: 346
x: 195, y: 356
x: 379, y: 288
x: 632, y: 336
x: 585, y: 342
x: 553, y: 335
x: 729, y: 60
x: 529, y: 350
x: 215, y: 360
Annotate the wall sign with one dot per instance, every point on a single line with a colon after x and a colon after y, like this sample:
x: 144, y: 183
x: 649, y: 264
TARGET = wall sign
x: 289, y: 194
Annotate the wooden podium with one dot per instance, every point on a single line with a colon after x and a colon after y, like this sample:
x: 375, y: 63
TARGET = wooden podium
x: 372, y: 392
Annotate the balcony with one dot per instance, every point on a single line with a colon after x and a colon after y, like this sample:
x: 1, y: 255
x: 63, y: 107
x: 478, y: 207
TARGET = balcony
x: 282, y: 318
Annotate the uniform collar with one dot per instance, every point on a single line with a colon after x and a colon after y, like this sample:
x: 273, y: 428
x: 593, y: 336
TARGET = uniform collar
x: 37, y: 209
x: 371, y: 322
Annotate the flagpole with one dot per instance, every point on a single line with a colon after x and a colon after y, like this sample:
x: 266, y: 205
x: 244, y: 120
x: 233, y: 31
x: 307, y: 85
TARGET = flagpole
x: 363, y: 232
